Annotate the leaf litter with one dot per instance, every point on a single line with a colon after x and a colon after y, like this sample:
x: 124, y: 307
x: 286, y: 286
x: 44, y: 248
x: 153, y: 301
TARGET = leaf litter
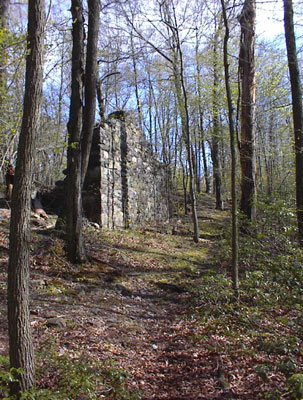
x: 142, y: 302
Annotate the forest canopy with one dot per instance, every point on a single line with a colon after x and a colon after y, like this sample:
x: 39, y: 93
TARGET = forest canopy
x: 135, y: 54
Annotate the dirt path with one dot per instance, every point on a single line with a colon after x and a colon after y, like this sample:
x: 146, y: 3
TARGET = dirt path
x: 131, y: 305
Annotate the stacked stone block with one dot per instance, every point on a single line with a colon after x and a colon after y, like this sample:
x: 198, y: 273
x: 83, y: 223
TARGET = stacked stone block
x: 125, y: 185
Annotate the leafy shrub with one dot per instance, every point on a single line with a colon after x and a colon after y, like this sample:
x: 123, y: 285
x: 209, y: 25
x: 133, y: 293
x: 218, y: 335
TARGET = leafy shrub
x: 295, y: 385
x: 270, y: 259
x: 70, y: 377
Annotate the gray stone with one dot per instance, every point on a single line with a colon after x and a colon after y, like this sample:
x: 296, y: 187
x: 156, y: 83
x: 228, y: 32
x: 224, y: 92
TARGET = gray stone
x: 56, y: 322
x: 125, y: 184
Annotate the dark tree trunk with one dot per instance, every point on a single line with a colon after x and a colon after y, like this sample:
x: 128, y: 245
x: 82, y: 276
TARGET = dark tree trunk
x: 90, y: 83
x: 75, y: 246
x: 296, y: 93
x: 183, y: 106
x: 198, y: 163
x: 201, y: 128
x: 184, y: 183
x: 248, y: 100
x: 4, y: 4
x: 59, y: 156
x: 3, y: 12
x: 217, y: 172
x: 81, y: 121
x: 176, y: 61
x: 139, y: 108
x: 233, y: 151
x: 20, y: 339
x: 216, y: 127
x: 204, y: 158
x: 150, y: 114
x: 186, y: 133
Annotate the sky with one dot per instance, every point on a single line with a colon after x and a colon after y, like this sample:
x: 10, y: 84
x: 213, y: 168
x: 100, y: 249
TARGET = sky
x: 270, y: 18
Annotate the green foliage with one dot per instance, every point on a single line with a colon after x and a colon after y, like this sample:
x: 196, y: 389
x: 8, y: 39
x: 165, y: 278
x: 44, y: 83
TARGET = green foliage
x: 7, y: 375
x: 265, y: 325
x: 276, y: 395
x: 295, y: 385
x: 74, y: 145
x: 288, y: 366
x: 12, y: 46
x: 269, y: 255
x: 263, y: 370
x: 76, y: 376
x: 279, y: 346
x: 270, y: 259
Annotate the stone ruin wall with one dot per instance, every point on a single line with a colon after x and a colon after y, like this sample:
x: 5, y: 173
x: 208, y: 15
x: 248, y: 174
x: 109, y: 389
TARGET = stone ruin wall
x: 125, y: 185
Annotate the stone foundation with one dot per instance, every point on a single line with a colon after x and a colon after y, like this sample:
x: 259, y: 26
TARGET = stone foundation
x: 125, y: 185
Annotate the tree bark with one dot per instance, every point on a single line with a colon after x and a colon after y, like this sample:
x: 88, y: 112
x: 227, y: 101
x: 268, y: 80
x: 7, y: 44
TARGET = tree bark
x: 135, y: 70
x: 59, y: 157
x: 91, y: 71
x: 178, y: 72
x: 186, y: 134
x: 201, y: 128
x: 81, y: 121
x: 296, y: 94
x: 248, y: 100
x: 204, y: 158
x: 184, y: 182
x: 233, y: 151
x: 197, y: 161
x: 75, y: 246
x: 216, y: 128
x: 4, y: 4
x: 20, y: 339
x: 169, y: 19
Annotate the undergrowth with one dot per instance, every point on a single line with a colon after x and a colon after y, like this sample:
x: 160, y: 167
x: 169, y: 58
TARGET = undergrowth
x: 265, y: 326
x: 71, y: 376
x: 261, y: 334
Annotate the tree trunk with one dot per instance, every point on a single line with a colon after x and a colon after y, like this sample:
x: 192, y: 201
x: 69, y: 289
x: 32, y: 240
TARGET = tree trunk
x: 91, y: 71
x: 206, y: 174
x: 216, y: 128
x: 184, y: 183
x: 150, y: 104
x: 75, y: 246
x: 170, y: 19
x: 296, y: 93
x: 217, y: 172
x: 101, y: 104
x: 198, y: 162
x: 248, y: 100
x: 178, y: 72
x: 186, y: 133
x: 59, y: 157
x: 233, y: 151
x: 4, y: 4
x: 20, y: 339
x: 201, y: 128
x: 81, y: 121
x: 139, y: 108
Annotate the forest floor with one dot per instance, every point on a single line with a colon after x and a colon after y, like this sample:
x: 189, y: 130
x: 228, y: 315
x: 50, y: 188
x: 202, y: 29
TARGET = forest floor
x: 158, y: 311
